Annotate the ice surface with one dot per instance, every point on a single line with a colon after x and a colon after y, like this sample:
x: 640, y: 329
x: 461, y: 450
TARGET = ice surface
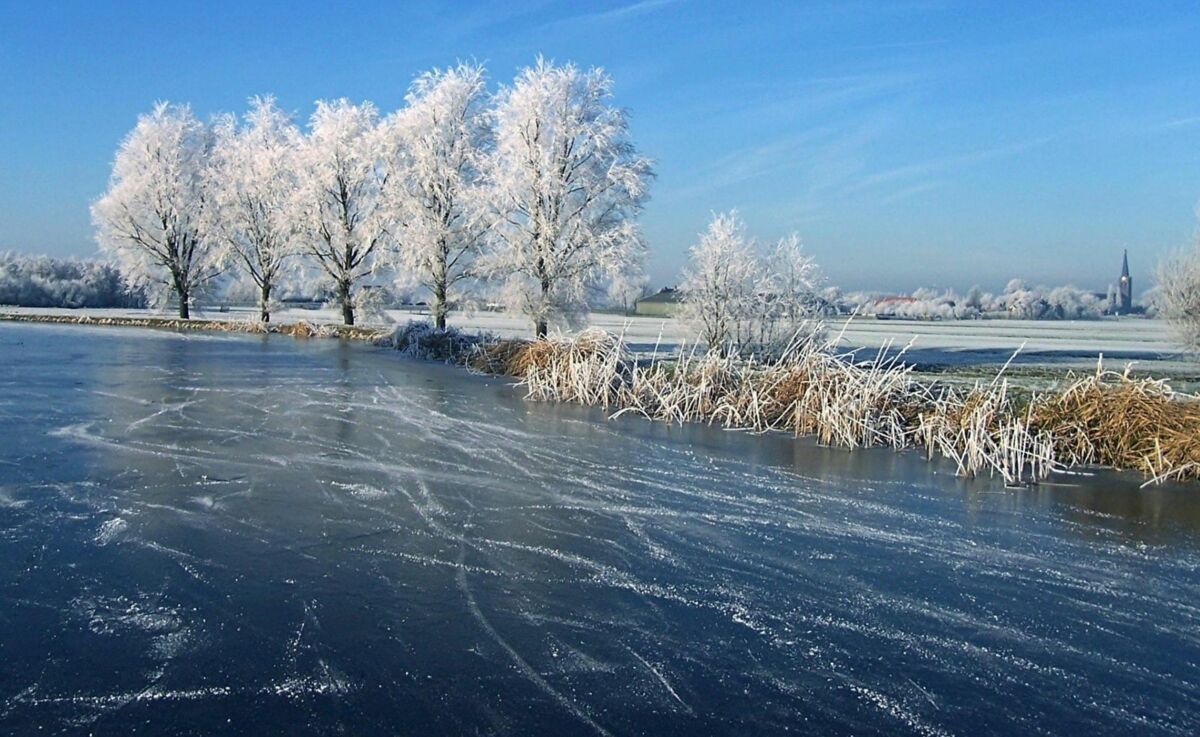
x: 1075, y: 343
x: 213, y: 535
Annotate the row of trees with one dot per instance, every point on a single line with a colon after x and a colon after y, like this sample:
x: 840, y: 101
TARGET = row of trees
x: 530, y: 193
x: 43, y: 281
x: 1017, y: 300
x: 743, y: 298
x: 533, y: 190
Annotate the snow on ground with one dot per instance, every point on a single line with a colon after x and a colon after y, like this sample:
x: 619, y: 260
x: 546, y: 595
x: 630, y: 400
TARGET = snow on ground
x: 1065, y: 343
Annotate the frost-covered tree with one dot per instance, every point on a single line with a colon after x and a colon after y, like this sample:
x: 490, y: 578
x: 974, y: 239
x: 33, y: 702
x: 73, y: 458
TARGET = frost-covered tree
x: 43, y: 281
x: 974, y: 299
x: 627, y: 287
x: 252, y: 181
x: 438, y: 144
x: 338, y: 206
x: 151, y: 217
x: 784, y: 300
x: 1022, y: 302
x: 1178, y: 296
x: 791, y: 281
x: 565, y: 186
x: 742, y: 301
x: 1072, y: 303
x: 1018, y: 301
x: 719, y: 283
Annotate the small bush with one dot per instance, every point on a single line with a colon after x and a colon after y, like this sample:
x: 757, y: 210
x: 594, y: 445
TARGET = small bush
x: 420, y: 339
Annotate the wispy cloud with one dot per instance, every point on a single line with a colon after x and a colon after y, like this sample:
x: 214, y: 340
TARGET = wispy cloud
x: 896, y: 45
x: 629, y: 11
x: 1177, y: 123
x: 909, y: 192
x: 622, y: 12
x: 761, y: 100
x: 838, y: 118
x: 751, y: 162
x: 920, y: 168
x: 469, y: 22
x: 818, y: 160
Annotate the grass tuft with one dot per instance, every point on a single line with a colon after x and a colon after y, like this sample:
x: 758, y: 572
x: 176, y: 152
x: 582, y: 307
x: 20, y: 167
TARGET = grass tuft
x: 813, y: 389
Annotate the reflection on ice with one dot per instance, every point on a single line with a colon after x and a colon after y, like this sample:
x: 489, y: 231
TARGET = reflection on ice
x: 327, y: 538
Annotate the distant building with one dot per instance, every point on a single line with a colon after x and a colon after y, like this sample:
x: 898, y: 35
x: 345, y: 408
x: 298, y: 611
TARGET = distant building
x: 663, y: 304
x: 1125, y: 288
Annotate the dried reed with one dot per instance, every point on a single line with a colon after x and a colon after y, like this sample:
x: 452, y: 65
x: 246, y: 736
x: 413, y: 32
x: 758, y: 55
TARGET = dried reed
x: 813, y: 389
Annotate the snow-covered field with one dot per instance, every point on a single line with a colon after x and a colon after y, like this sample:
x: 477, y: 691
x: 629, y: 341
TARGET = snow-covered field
x: 1075, y: 344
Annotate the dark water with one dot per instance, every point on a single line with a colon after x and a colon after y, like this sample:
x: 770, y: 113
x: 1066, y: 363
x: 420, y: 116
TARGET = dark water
x: 232, y: 535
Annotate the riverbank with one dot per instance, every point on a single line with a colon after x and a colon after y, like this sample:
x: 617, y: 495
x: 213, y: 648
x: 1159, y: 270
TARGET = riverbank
x: 1117, y: 420
x: 949, y: 348
x: 300, y: 329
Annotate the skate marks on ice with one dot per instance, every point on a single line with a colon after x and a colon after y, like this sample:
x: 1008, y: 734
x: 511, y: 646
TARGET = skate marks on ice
x: 339, y: 538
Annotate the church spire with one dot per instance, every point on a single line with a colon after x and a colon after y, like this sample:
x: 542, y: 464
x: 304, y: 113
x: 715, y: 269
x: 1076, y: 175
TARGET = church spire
x: 1125, y: 288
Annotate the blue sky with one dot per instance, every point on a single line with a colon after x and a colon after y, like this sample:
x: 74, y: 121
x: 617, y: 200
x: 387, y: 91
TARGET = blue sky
x: 910, y: 143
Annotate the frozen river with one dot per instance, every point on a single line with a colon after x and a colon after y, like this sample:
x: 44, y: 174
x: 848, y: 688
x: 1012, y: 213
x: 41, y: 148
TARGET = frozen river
x: 243, y: 535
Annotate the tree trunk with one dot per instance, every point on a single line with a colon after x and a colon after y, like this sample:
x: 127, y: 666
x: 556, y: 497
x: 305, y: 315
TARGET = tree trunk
x: 439, y: 307
x: 184, y: 312
x: 266, y: 300
x: 347, y: 307
x: 539, y: 328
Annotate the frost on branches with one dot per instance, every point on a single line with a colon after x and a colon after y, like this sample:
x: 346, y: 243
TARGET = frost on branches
x: 565, y: 185
x: 251, y: 181
x: 150, y: 219
x: 1179, y: 296
x: 536, y: 191
x: 741, y: 302
x: 437, y: 144
x: 718, y: 281
x: 338, y: 206
x: 43, y: 281
x: 627, y: 287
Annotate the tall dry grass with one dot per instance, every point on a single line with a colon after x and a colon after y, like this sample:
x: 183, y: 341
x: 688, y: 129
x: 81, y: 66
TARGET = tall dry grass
x: 844, y: 400
x: 1114, y: 419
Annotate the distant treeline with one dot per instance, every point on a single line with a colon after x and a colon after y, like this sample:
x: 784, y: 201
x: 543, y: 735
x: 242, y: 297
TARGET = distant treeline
x: 44, y: 281
x: 1018, y: 300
